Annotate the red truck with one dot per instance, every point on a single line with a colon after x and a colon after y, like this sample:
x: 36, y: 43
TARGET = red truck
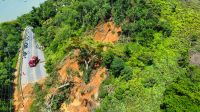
x: 33, y: 61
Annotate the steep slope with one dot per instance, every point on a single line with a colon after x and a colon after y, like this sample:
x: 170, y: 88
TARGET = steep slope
x: 140, y: 46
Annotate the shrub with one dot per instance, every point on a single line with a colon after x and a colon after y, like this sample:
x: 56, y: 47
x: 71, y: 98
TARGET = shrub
x: 126, y: 73
x: 116, y: 66
x: 108, y: 58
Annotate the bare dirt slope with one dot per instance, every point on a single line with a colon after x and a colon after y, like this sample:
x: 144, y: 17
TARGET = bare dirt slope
x: 27, y: 97
x: 107, y: 32
x: 84, y: 97
x: 17, y: 98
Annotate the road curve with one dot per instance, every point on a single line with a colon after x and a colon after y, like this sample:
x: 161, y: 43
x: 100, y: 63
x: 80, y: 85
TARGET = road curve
x: 31, y: 74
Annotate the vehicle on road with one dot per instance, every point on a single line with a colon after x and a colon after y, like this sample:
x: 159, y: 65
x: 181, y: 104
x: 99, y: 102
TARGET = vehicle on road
x: 24, y: 53
x: 33, y: 61
x: 25, y: 45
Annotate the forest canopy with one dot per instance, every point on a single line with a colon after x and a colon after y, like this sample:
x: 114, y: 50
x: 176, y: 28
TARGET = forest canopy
x: 149, y: 67
x: 9, y: 46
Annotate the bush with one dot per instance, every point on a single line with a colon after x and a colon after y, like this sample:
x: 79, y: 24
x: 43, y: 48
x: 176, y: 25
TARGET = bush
x: 108, y: 58
x: 116, y: 66
x: 58, y: 100
x: 87, y: 74
x: 37, y: 88
x: 126, y: 73
x: 149, y: 82
x: 183, y: 93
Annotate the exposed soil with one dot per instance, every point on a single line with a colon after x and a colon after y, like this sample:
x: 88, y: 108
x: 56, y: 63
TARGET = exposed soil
x: 26, y: 99
x: 71, y: 64
x: 17, y: 100
x: 107, y: 32
x: 85, y: 96
x: 17, y: 94
x: 195, y: 58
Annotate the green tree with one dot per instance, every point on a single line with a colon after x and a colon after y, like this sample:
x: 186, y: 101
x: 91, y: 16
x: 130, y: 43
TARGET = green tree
x: 116, y: 66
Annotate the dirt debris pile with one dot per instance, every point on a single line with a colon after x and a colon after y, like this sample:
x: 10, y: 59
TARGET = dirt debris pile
x: 84, y: 97
x: 107, y: 32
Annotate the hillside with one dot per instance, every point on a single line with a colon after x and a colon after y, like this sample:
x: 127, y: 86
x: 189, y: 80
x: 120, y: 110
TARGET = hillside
x: 9, y: 45
x: 116, y: 55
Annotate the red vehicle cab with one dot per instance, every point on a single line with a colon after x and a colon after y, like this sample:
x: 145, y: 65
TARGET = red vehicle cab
x: 33, y: 61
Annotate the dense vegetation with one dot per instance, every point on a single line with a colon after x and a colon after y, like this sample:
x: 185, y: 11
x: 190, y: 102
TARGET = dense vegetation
x: 9, y: 46
x: 148, y: 72
x: 149, y: 67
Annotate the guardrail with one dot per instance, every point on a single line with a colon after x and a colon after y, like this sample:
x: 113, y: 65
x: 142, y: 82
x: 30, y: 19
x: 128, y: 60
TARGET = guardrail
x: 19, y: 87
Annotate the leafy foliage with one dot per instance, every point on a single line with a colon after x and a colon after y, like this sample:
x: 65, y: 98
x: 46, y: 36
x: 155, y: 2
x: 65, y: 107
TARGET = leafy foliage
x: 183, y: 93
x: 149, y: 73
x: 117, y: 66
x: 9, y: 47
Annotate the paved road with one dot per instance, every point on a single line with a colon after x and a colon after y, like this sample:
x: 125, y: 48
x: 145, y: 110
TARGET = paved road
x: 32, y: 74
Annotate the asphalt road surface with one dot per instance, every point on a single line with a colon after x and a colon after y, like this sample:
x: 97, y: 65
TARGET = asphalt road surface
x: 31, y: 48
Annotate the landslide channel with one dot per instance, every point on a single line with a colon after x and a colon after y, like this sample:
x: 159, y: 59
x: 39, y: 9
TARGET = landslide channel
x: 74, y: 85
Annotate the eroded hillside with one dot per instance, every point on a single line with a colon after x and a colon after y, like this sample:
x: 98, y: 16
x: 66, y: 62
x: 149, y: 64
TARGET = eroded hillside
x: 117, y: 56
